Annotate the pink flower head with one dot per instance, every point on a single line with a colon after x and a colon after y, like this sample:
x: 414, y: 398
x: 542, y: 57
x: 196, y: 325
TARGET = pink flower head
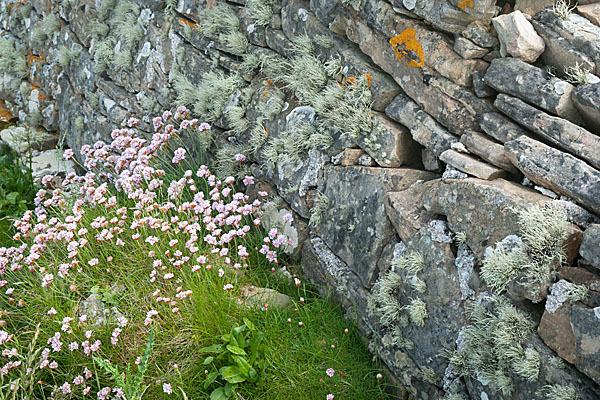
x: 329, y: 397
x: 131, y: 122
x: 248, y: 180
x: 178, y: 156
x: 204, y: 126
x: 240, y: 157
x: 167, y: 388
x: 330, y: 372
x: 67, y: 154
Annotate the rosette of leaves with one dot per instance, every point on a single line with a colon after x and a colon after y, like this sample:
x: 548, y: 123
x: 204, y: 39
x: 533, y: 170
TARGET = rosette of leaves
x: 238, y: 359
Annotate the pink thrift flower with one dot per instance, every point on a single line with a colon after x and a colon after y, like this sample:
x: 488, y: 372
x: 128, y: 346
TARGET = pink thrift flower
x: 68, y: 154
x: 204, y: 126
x: 248, y: 180
x: 240, y: 157
x: 167, y: 388
x: 329, y: 397
x: 330, y: 372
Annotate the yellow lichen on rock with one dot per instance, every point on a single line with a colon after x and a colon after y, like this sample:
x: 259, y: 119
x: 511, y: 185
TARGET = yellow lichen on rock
x: 407, y: 46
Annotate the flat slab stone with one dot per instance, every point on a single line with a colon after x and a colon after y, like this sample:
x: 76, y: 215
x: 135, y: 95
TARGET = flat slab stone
x: 355, y: 195
x: 469, y: 50
x: 560, y: 132
x: 517, y: 78
x: 470, y: 165
x: 500, y: 128
x: 556, y: 170
x: 491, y: 151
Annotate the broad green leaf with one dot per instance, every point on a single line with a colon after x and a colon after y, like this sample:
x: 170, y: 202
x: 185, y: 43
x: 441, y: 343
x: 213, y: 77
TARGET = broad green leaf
x: 254, y: 345
x: 243, y: 364
x: 210, y: 378
x: 208, y: 360
x: 218, y: 394
x: 249, y: 324
x: 252, y: 375
x: 228, y: 389
x: 232, y: 374
x: 215, y: 348
x: 236, y: 350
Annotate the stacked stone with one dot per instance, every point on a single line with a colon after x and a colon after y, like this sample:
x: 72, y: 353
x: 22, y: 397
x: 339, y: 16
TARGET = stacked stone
x: 473, y: 117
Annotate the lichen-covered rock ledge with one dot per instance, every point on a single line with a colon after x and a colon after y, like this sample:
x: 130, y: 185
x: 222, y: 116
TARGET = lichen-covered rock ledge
x: 440, y: 157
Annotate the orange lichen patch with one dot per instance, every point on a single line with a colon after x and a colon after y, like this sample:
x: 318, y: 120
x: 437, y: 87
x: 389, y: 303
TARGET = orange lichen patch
x: 5, y: 115
x: 187, y: 23
x: 406, y: 46
x: 463, y: 4
x: 369, y: 77
x: 267, y: 130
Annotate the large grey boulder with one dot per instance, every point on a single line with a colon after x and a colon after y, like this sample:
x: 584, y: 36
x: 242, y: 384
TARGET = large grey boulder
x: 556, y: 170
x: 531, y: 84
x: 560, y: 132
x: 355, y: 195
x: 483, y: 210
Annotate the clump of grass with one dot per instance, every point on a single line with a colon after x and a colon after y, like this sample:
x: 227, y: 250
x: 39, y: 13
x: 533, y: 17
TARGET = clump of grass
x: 577, y: 74
x: 140, y: 233
x: 562, y: 9
x: 492, y: 345
x: 543, y: 231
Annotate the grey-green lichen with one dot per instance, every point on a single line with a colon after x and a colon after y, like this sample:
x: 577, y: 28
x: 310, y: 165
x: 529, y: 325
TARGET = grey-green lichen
x: 383, y: 300
x: 543, y: 231
x: 261, y: 11
x: 209, y: 97
x: 320, y: 206
x: 493, y: 345
x: 13, y: 58
x: 79, y: 123
x: 559, y: 392
x: 66, y: 56
x: 44, y: 30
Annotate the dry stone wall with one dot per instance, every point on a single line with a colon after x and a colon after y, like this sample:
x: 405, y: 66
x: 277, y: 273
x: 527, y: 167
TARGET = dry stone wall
x: 441, y: 157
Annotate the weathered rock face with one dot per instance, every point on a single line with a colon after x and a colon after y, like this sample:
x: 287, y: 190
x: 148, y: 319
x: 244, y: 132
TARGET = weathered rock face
x: 350, y: 132
x: 342, y: 229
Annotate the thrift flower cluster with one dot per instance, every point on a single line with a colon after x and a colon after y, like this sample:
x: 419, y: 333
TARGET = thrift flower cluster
x: 124, y: 204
